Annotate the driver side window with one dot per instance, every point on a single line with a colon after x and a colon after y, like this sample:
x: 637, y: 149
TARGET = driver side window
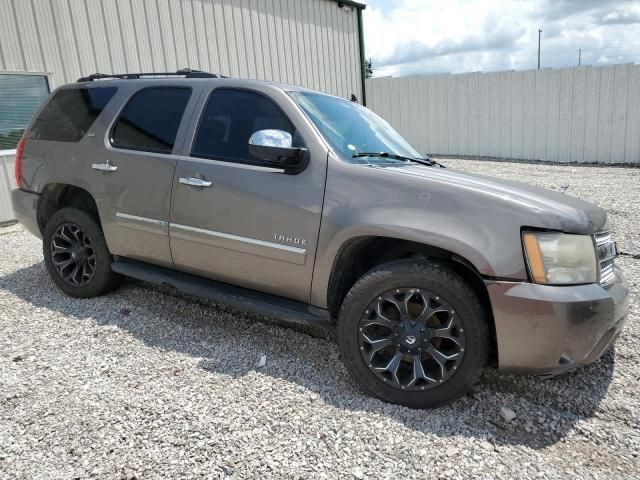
x: 229, y: 119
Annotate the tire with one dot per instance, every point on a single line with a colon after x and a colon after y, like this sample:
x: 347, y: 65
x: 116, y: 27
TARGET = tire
x: 449, y: 339
x: 85, y: 248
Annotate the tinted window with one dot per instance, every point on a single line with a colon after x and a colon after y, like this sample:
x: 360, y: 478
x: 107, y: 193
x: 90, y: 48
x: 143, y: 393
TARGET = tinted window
x: 230, y: 118
x: 70, y: 113
x: 20, y: 97
x: 150, y: 120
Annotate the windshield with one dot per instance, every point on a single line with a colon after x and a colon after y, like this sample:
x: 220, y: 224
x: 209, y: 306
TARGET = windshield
x: 351, y: 128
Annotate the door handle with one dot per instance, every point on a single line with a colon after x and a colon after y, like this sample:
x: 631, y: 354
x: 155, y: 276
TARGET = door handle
x: 195, y: 182
x: 104, y: 167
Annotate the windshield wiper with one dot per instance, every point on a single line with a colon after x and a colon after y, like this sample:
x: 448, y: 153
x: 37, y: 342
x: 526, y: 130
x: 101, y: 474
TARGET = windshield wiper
x: 422, y: 161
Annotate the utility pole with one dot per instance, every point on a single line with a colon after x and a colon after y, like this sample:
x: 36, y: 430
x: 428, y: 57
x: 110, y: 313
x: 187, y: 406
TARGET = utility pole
x: 539, y: 35
x: 579, y: 56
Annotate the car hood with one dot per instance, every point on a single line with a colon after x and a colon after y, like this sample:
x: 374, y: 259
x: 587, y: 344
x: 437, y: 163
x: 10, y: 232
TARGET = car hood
x: 550, y: 209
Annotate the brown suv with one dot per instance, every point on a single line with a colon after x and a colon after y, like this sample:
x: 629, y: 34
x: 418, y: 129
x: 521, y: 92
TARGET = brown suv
x: 311, y: 208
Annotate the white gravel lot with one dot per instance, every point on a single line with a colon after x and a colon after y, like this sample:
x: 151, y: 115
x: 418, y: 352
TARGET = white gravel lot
x: 143, y: 384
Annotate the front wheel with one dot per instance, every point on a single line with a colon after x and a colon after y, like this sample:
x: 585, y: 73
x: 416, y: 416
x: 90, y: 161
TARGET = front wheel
x: 76, y: 254
x: 414, y: 333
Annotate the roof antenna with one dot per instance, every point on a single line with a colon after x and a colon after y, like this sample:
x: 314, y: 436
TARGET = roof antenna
x: 354, y: 99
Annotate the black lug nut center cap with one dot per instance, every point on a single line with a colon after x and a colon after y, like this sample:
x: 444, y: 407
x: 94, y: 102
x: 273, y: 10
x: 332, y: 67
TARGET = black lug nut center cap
x: 412, y: 334
x: 78, y: 254
x: 410, y: 339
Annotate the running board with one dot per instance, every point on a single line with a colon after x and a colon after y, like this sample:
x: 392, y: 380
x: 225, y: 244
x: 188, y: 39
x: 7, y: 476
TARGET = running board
x: 313, y: 320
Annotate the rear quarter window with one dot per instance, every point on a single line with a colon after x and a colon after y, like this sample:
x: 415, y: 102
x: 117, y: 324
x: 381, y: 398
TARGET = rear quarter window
x: 69, y: 114
x: 150, y: 120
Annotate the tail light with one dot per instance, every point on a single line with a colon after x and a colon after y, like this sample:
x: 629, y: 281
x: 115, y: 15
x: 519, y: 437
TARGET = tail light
x: 18, y: 162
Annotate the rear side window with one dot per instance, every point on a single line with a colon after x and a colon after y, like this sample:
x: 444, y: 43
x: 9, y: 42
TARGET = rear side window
x: 70, y: 113
x: 150, y: 120
x: 229, y: 119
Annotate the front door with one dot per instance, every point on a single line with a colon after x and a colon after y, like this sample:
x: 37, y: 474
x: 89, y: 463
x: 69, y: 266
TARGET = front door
x: 244, y: 222
x: 131, y: 178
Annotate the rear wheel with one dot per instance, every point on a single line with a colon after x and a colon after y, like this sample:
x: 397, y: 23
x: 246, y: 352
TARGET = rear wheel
x: 76, y: 254
x: 413, y: 333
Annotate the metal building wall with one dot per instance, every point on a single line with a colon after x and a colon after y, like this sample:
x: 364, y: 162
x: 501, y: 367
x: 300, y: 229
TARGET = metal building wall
x: 312, y: 43
x: 583, y: 114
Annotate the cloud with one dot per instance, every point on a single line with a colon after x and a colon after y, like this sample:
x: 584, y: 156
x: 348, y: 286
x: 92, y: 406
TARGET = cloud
x: 564, y: 8
x: 419, y: 36
x: 620, y: 17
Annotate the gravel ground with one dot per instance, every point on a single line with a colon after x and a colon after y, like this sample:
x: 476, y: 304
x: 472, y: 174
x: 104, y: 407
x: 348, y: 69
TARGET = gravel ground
x: 142, y: 384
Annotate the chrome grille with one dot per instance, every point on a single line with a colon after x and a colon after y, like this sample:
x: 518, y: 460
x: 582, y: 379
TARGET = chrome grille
x: 606, y: 251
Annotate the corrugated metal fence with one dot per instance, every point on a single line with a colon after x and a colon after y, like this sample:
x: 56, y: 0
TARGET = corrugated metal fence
x: 583, y: 114
x: 312, y: 43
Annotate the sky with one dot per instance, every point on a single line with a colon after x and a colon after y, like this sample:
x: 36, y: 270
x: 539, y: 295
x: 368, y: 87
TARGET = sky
x: 404, y: 37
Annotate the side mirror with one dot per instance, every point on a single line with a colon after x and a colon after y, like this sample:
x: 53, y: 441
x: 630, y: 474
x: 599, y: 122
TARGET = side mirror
x: 274, y: 146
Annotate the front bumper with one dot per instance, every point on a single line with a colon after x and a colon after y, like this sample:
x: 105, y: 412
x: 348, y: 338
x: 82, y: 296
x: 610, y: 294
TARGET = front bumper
x: 25, y: 207
x: 546, y: 330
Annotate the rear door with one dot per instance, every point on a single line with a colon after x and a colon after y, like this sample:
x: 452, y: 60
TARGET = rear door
x: 131, y: 175
x: 252, y: 225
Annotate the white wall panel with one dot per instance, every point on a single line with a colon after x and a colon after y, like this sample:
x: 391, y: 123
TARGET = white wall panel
x: 312, y: 43
x: 452, y: 116
x: 605, y: 115
x: 540, y: 115
x: 484, y: 118
x: 591, y: 115
x: 7, y: 183
x: 442, y: 82
x: 552, y: 122
x: 584, y: 114
x: 579, y: 116
x: 619, y: 114
x: 565, y: 115
x: 474, y: 112
x: 506, y: 87
x: 632, y: 136
x: 494, y: 115
x: 30, y: 44
x: 462, y: 117
x: 12, y: 55
x: 51, y: 50
x: 433, y: 119
x: 517, y: 114
x: 114, y: 37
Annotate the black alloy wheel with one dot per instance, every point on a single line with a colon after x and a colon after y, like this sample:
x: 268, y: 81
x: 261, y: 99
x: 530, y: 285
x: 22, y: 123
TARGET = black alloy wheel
x: 73, y: 255
x: 411, y: 339
x: 76, y: 254
x: 413, y: 332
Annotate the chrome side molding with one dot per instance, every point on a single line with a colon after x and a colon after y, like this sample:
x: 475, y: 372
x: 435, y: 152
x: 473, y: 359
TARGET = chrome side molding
x: 145, y: 224
x: 253, y: 246
x: 238, y: 243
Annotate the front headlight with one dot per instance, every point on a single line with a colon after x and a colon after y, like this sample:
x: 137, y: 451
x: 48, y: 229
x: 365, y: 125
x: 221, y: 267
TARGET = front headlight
x: 560, y: 258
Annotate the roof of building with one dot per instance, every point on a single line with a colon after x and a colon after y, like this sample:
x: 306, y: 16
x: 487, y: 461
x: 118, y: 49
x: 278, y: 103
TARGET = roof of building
x: 352, y: 3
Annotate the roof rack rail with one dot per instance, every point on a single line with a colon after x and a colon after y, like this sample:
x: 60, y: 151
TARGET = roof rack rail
x: 183, y: 72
